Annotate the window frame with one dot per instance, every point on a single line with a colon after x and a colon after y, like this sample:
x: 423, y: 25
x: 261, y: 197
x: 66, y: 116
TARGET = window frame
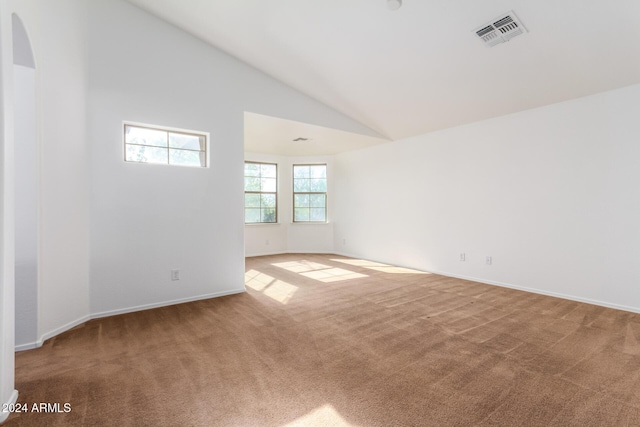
x: 261, y: 193
x: 169, y: 131
x: 294, y: 193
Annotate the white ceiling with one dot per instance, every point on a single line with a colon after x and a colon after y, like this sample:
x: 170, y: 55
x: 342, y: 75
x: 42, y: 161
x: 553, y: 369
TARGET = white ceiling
x: 421, y: 68
x: 265, y: 134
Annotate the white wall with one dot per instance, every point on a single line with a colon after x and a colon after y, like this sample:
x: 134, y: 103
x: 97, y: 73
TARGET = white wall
x: 550, y: 193
x: 26, y: 206
x: 265, y: 239
x: 57, y: 36
x: 64, y: 215
x: 286, y: 236
x: 7, y: 262
x: 149, y: 219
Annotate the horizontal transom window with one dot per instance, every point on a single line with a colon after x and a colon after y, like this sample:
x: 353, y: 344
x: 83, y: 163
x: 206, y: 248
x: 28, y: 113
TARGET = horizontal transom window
x: 149, y: 144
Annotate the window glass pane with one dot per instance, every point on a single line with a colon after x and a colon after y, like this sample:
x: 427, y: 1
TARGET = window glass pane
x: 268, y: 215
x: 144, y: 136
x: 261, y: 178
x: 251, y: 183
x: 268, y: 171
x: 318, y: 214
x: 300, y: 185
x: 252, y: 200
x: 186, y: 158
x: 319, y: 185
x: 251, y: 169
x: 301, y: 200
x: 301, y: 172
x: 317, y: 200
x: 269, y: 185
x: 252, y: 215
x: 186, y: 142
x: 301, y: 214
x: 268, y: 200
x: 139, y: 153
x: 318, y: 171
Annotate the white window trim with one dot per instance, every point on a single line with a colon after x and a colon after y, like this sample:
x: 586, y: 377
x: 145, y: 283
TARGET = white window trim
x: 277, y: 193
x: 168, y: 129
x: 293, y: 194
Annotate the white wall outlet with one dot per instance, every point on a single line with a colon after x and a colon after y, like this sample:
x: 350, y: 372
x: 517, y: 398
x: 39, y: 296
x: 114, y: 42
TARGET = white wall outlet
x: 175, y: 274
x: 266, y: 242
x: 344, y: 241
x: 463, y: 256
x: 489, y: 260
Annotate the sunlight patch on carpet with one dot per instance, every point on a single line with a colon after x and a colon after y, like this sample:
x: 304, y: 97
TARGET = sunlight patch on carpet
x: 378, y: 266
x: 301, y: 266
x: 333, y: 275
x: 280, y: 291
x: 324, y: 416
x: 321, y: 272
x: 257, y: 280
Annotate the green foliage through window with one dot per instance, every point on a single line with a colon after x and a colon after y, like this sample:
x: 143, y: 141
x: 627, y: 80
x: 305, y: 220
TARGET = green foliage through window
x: 260, y: 193
x: 309, y: 193
x: 154, y: 145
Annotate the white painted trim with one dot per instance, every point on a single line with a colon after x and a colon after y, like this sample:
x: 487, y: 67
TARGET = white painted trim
x: 12, y: 400
x: 59, y: 330
x: 263, y: 254
x: 542, y: 292
x: 517, y: 287
x: 312, y: 252
x: 165, y: 303
x: 84, y: 319
x: 290, y: 252
x: 28, y: 346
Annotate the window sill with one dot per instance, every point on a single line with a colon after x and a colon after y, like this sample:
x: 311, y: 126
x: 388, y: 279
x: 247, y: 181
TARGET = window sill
x: 258, y: 224
x: 310, y: 223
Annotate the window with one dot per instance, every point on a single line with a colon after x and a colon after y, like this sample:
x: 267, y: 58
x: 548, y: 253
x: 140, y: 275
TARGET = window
x: 148, y: 144
x: 260, y: 193
x: 309, y: 193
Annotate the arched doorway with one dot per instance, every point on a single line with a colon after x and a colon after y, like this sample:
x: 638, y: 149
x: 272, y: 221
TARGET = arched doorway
x: 26, y: 188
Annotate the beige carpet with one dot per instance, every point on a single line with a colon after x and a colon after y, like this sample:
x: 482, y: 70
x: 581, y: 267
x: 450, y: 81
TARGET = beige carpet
x: 323, y: 340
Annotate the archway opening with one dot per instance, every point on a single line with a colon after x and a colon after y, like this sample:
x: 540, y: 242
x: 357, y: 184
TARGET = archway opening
x: 26, y: 188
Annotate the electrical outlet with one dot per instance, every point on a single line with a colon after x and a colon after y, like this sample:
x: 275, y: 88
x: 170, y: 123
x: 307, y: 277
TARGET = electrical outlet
x: 344, y: 241
x: 175, y: 274
x: 489, y: 260
x: 463, y: 256
x: 266, y: 242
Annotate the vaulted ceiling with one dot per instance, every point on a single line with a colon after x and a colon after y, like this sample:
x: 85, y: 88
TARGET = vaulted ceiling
x: 422, y: 68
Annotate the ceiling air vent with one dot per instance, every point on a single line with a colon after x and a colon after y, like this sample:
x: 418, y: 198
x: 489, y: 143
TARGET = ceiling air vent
x: 500, y: 30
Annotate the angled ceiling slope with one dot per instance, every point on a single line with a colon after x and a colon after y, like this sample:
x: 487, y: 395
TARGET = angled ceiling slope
x: 272, y: 135
x: 421, y: 68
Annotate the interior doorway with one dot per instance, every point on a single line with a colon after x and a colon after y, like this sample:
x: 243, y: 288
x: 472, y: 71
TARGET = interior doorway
x: 26, y: 189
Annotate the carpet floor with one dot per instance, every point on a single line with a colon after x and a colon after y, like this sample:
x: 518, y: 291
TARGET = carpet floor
x: 324, y: 340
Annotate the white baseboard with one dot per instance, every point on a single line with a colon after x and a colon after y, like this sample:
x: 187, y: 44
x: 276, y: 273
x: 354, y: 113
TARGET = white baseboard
x: 83, y: 319
x: 287, y: 252
x: 52, y: 333
x: 517, y: 287
x: 28, y: 346
x: 542, y: 292
x: 263, y: 254
x: 12, y: 400
x: 165, y: 303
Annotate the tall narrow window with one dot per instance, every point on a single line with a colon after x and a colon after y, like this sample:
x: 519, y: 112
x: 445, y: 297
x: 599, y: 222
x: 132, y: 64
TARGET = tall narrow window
x: 260, y: 193
x: 148, y: 144
x: 309, y: 193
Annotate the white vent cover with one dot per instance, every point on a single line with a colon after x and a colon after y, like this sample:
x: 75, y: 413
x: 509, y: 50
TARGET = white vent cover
x: 500, y: 30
